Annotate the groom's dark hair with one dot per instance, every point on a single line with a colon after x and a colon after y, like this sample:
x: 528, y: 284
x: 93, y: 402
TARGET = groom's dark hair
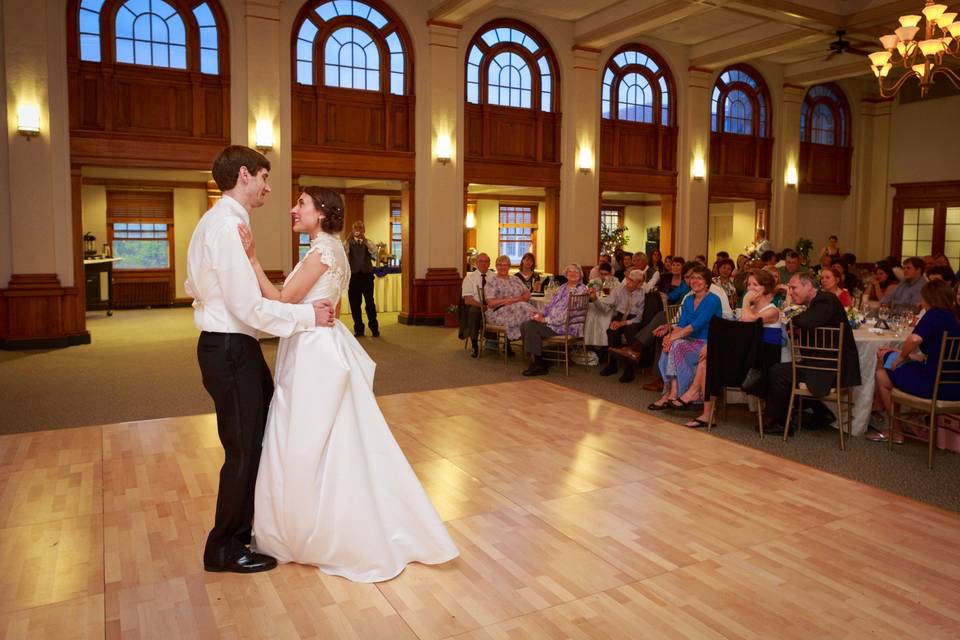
x: 226, y: 167
x: 330, y: 204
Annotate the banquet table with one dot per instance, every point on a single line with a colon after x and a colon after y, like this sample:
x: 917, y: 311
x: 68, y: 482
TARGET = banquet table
x: 386, y: 294
x: 868, y: 343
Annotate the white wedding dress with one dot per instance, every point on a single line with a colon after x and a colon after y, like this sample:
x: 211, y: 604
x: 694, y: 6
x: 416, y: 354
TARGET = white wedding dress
x: 334, y: 489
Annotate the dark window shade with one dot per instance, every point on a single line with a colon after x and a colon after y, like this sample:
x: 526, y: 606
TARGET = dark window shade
x: 126, y: 206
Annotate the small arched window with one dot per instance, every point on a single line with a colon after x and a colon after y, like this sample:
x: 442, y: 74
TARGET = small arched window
x: 354, y: 39
x: 825, y: 116
x: 636, y: 87
x: 740, y: 103
x: 153, y: 33
x: 515, y: 65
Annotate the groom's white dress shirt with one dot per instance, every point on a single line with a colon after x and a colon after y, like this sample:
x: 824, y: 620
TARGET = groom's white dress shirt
x: 224, y: 286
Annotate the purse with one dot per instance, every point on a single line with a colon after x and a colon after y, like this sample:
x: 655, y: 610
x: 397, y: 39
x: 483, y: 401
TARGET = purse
x: 752, y: 382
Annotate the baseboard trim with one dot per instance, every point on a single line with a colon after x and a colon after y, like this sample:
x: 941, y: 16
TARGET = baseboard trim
x: 59, y: 342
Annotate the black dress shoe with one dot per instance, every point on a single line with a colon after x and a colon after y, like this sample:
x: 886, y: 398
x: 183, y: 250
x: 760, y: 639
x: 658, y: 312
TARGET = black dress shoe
x: 535, y: 370
x: 375, y: 333
x: 246, y: 562
x: 628, y: 376
x: 358, y: 334
x: 610, y: 369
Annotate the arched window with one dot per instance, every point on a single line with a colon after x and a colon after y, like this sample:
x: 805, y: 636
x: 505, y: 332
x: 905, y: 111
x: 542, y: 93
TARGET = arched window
x: 636, y: 87
x: 825, y: 116
x: 153, y: 33
x: 516, y: 66
x: 353, y: 39
x: 740, y: 103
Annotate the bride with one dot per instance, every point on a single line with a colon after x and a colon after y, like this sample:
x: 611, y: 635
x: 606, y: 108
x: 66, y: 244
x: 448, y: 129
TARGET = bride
x: 334, y: 489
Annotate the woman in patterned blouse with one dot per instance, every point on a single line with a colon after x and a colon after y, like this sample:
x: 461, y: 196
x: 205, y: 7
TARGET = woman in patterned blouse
x: 552, y: 321
x: 508, y: 300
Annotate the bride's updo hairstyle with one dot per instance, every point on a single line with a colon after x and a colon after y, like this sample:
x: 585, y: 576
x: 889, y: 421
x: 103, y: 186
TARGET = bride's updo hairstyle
x: 328, y: 202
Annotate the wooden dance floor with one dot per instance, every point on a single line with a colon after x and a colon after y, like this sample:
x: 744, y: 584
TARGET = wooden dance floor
x: 575, y: 518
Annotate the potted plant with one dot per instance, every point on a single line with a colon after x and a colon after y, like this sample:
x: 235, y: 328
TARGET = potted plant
x: 804, y: 246
x: 451, y: 316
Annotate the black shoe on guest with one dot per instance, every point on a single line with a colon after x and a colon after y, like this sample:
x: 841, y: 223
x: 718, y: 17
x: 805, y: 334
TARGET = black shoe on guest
x: 375, y: 333
x: 628, y: 376
x: 536, y: 370
x: 246, y: 562
x: 610, y: 369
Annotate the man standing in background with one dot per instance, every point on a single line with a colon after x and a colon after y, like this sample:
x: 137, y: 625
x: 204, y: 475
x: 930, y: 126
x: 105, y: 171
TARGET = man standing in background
x: 361, y: 252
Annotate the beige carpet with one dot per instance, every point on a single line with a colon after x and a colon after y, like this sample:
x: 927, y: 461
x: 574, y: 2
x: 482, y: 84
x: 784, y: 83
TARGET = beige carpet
x: 142, y: 365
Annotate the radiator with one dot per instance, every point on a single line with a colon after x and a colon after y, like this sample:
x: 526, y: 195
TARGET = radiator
x: 132, y: 294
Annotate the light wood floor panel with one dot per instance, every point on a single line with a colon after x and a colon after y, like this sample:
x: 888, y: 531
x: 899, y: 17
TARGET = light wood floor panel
x: 51, y: 562
x: 576, y: 518
x: 78, y: 619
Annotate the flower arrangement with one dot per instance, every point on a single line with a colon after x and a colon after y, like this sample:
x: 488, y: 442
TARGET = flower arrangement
x: 855, y: 318
x: 789, y: 312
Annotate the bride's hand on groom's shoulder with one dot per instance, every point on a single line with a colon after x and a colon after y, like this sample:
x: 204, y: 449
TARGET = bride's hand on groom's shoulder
x: 246, y: 238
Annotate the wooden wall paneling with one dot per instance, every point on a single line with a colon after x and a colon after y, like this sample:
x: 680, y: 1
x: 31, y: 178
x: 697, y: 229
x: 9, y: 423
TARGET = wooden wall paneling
x: 551, y: 223
x: 824, y: 169
x: 430, y: 296
x: 352, y: 209
x: 316, y: 160
x: 40, y: 313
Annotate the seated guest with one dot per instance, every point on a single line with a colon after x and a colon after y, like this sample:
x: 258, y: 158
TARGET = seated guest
x: 656, y: 264
x: 769, y: 258
x: 626, y: 263
x: 791, y: 265
x: 627, y: 304
x: 604, y: 258
x: 682, y: 345
x: 527, y: 273
x: 823, y: 310
x: 847, y: 265
x: 914, y: 370
x: 675, y: 293
x: 472, y: 291
x: 939, y: 272
x: 896, y: 265
x: 724, y: 280
x: 551, y: 321
x: 941, y: 260
x: 605, y: 276
x: 742, y: 262
x: 907, y: 292
x: 700, y: 259
x: 830, y: 283
x: 721, y: 255
x: 884, y: 281
x: 757, y: 305
x: 508, y: 301
x: 645, y: 345
x: 825, y: 262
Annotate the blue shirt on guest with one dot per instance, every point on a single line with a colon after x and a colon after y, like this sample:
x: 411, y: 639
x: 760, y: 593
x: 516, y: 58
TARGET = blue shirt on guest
x: 699, y: 317
x: 676, y: 294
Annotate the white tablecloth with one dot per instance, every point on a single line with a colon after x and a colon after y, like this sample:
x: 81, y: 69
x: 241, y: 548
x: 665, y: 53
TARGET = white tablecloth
x: 386, y: 294
x: 867, y: 346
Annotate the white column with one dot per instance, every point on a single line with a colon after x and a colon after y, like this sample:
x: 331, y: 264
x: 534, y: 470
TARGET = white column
x: 786, y: 154
x: 267, y: 99
x: 579, y: 223
x: 693, y: 195
x: 873, y: 196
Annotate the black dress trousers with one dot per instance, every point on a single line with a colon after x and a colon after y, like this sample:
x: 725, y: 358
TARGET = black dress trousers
x: 237, y: 378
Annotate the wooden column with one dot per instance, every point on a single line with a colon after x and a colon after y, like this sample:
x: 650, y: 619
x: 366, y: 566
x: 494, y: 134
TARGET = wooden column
x: 352, y: 209
x: 667, y: 212
x: 551, y: 225
x: 408, y: 249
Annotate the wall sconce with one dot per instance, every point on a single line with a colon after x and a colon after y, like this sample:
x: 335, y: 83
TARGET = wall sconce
x: 263, y: 135
x: 471, y: 221
x: 699, y: 168
x: 792, y: 177
x: 444, y: 149
x: 585, y: 160
x: 28, y: 120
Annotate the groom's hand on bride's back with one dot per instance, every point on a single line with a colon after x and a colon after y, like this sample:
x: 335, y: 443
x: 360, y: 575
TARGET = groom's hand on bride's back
x: 324, y: 313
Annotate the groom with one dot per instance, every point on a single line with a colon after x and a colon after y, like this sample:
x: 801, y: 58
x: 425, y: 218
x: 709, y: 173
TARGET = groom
x: 230, y: 313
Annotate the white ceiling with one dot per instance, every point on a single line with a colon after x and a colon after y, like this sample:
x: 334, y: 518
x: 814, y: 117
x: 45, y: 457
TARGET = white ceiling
x: 794, y: 33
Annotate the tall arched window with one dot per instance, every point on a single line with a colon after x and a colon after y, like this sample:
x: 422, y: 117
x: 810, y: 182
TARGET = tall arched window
x: 825, y: 116
x: 171, y: 34
x: 509, y: 65
x: 637, y: 87
x: 740, y: 103
x: 362, y: 45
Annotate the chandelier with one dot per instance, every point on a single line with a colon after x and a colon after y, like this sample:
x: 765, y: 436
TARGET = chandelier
x: 920, y: 49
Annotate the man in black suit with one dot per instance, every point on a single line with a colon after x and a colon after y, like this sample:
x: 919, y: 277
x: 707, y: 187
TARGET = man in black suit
x: 823, y: 310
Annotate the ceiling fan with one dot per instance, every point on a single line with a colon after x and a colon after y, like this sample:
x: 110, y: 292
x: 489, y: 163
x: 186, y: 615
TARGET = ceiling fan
x: 844, y: 46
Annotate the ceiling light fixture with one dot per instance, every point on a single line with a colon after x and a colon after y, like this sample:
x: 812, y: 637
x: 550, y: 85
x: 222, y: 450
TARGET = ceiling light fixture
x: 924, y: 58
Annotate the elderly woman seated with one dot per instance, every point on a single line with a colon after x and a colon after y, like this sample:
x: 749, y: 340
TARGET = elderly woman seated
x: 914, y: 368
x: 507, y: 301
x: 682, y: 344
x: 552, y: 321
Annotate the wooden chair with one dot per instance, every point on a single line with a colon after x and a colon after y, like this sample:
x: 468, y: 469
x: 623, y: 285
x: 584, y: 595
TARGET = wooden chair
x: 819, y: 349
x: 481, y: 296
x: 721, y: 399
x: 673, y: 314
x: 948, y: 373
x: 498, y: 333
x: 559, y: 346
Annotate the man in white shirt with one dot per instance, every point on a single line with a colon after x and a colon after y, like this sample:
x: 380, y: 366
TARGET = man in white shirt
x: 230, y: 312
x: 472, y: 292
